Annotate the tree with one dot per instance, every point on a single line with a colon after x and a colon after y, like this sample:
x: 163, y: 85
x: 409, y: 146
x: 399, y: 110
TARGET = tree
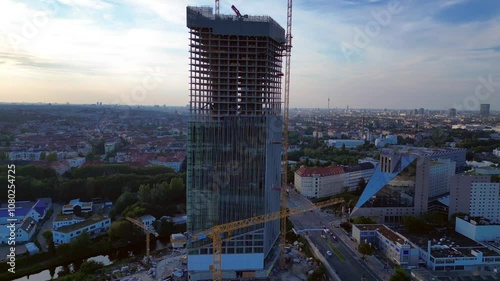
x: 43, y: 155
x: 415, y: 225
x: 399, y: 275
x: 77, y: 210
x: 360, y: 187
x: 126, y: 199
x: 365, y: 249
x: 119, y: 230
x: 80, y: 245
x: 90, y: 156
x: 51, y: 157
x: 362, y: 220
x: 50, y: 241
x: 136, y: 210
x: 91, y: 267
x: 166, y: 228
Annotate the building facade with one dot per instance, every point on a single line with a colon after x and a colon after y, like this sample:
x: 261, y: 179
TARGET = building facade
x: 94, y: 226
x: 393, y: 245
x: 319, y: 182
x: 462, y: 190
x: 355, y: 173
x: 478, y: 230
x: 440, y: 173
x: 484, y: 110
x: 234, y: 138
x: 400, y: 183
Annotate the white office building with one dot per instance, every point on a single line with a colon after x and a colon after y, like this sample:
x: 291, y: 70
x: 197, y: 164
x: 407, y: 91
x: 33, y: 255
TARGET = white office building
x: 319, y: 182
x: 94, y: 226
x: 440, y: 172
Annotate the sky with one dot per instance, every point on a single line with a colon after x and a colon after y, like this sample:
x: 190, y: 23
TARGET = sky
x: 357, y: 53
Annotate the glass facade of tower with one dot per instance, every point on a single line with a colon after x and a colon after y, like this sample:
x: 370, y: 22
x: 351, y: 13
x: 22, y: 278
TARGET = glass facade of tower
x: 398, y: 192
x: 235, y: 133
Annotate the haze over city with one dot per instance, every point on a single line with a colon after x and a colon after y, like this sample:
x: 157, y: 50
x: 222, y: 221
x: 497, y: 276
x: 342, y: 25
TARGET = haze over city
x: 365, y: 54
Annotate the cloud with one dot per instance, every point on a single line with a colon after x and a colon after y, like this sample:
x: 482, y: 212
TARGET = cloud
x: 428, y: 55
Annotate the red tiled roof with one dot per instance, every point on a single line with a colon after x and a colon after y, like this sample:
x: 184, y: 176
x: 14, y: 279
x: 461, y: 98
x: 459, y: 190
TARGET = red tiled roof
x: 326, y: 171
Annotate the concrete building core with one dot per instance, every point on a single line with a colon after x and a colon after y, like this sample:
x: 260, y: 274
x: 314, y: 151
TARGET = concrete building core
x: 234, y: 139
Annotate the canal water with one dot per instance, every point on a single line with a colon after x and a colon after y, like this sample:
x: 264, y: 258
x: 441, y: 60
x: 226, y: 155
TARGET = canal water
x: 136, y: 250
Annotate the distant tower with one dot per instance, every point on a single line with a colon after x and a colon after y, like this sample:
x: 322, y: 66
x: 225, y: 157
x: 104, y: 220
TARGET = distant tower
x: 328, y: 104
x: 452, y: 113
x: 485, y: 110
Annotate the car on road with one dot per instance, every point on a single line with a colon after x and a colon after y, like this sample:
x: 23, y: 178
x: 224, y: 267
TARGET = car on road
x: 328, y: 253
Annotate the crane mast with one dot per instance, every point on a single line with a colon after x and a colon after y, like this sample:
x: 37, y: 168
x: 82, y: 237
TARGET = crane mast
x: 146, y: 230
x: 217, y: 7
x: 286, y: 102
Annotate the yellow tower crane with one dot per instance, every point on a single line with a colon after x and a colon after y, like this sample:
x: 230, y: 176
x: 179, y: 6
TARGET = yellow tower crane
x: 146, y: 229
x: 286, y: 105
x: 215, y: 233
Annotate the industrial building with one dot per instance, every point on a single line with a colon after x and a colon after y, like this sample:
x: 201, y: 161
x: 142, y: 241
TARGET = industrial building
x: 434, y: 251
x: 234, y: 139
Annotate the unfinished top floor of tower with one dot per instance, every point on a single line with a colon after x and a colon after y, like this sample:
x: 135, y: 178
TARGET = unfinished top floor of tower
x: 235, y: 64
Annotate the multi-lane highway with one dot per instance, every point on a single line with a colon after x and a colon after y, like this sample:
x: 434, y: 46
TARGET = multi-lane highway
x: 348, y: 266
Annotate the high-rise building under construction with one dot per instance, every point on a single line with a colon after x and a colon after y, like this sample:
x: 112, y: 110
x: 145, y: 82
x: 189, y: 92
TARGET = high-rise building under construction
x: 234, y: 138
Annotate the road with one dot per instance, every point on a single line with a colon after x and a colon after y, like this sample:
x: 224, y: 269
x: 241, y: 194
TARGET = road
x: 47, y: 225
x: 352, y: 269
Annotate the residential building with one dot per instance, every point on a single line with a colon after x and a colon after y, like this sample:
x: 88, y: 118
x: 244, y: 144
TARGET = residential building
x: 476, y: 196
x: 24, y: 231
x: 401, y: 183
x: 496, y: 152
x: 147, y: 220
x: 174, y: 161
x: 319, y: 182
x: 25, y: 155
x: 109, y: 147
x: 36, y: 210
x: 94, y: 226
x: 76, y: 162
x: 234, y: 139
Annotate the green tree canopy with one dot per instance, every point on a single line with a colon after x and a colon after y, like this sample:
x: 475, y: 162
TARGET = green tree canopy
x: 400, y: 275
x: 91, y: 267
x: 51, y: 157
x: 126, y: 199
x: 365, y: 249
x: 50, y: 241
x: 415, y: 225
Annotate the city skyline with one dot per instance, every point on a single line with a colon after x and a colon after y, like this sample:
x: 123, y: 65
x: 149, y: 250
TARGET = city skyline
x: 416, y: 54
